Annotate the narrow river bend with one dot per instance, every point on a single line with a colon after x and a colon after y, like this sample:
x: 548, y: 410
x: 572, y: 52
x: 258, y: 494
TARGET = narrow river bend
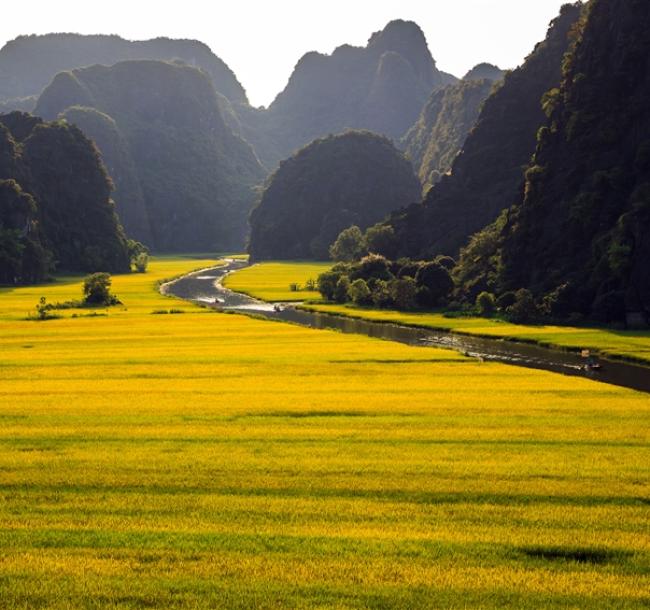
x: 205, y: 287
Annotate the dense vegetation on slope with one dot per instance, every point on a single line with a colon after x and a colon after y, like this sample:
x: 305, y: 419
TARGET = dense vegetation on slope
x: 54, y: 202
x: 355, y: 178
x: 486, y: 176
x: 449, y: 115
x: 582, y: 234
x: 23, y: 259
x: 29, y: 63
x: 115, y: 151
x: 381, y: 87
x: 161, y: 123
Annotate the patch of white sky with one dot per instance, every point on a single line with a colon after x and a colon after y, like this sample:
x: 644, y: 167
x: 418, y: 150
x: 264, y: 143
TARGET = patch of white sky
x: 262, y: 40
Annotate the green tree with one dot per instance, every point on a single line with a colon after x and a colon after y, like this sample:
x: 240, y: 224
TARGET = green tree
x: 485, y: 304
x: 506, y: 300
x: 43, y: 309
x: 381, y: 296
x: 326, y: 283
x: 380, y: 239
x: 138, y: 255
x: 141, y: 262
x: 359, y: 292
x: 97, y: 290
x: 445, y: 261
x: 342, y: 289
x: 523, y: 309
x: 434, y: 284
x: 403, y: 292
x: 371, y: 268
x: 349, y: 246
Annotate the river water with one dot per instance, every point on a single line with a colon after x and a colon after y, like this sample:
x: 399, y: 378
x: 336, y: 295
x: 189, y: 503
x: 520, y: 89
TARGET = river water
x: 204, y: 287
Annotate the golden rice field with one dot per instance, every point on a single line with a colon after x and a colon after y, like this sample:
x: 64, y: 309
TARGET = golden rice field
x: 270, y: 281
x: 207, y: 460
x: 264, y: 279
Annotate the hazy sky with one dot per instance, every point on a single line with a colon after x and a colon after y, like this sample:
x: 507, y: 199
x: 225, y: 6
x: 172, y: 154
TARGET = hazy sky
x: 262, y: 40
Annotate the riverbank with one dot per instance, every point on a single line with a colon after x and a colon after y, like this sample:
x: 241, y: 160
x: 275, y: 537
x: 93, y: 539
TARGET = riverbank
x: 630, y: 346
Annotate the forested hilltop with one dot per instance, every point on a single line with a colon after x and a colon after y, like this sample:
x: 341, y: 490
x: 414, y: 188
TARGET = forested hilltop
x: 487, y: 176
x: 581, y: 237
x: 355, y: 178
x: 49, y: 217
x: 184, y: 180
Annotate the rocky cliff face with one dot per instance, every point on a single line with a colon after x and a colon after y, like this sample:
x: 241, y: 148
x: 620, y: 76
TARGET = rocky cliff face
x: 582, y: 232
x: 381, y: 87
x: 116, y: 154
x: 161, y: 122
x: 335, y: 182
x: 54, y: 202
x: 487, y: 175
x: 447, y: 118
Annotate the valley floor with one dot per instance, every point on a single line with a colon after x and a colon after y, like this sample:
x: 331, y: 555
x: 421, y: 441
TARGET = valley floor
x: 211, y: 460
x: 267, y: 280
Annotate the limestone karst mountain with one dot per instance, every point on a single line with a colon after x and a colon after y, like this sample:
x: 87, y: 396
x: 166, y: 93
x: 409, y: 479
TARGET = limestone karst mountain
x: 355, y: 178
x: 487, y: 175
x: 55, y: 207
x: 381, y: 87
x: 444, y: 123
x: 581, y: 237
x: 29, y: 63
x: 165, y: 139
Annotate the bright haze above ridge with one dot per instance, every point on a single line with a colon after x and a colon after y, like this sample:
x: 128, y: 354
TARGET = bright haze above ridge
x: 262, y: 40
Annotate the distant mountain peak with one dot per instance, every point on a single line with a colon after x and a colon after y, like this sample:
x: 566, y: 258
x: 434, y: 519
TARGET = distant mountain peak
x: 407, y: 39
x: 397, y: 29
x: 485, y: 70
x: 28, y: 63
x: 381, y: 87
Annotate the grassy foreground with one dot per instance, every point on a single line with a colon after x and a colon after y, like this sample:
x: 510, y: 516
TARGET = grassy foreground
x: 208, y: 460
x: 630, y: 345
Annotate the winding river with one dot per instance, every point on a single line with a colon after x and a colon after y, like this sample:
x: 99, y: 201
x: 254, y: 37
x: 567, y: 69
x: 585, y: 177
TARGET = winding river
x: 205, y: 287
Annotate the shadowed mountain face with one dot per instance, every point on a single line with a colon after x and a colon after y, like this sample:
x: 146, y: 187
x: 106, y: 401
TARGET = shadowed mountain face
x: 487, y: 175
x: 29, y: 63
x: 54, y: 202
x: 381, y: 87
x: 482, y: 71
x: 184, y: 181
x: 353, y: 178
x: 449, y: 115
x: 583, y: 230
x: 116, y: 154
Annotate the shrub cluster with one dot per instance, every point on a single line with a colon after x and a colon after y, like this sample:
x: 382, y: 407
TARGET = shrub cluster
x: 375, y: 280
